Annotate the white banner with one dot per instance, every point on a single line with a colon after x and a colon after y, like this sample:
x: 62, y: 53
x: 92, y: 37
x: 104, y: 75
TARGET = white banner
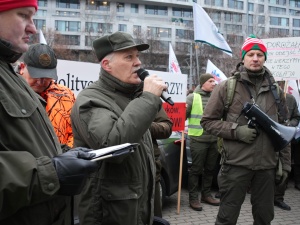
x: 78, y: 75
x: 283, y: 58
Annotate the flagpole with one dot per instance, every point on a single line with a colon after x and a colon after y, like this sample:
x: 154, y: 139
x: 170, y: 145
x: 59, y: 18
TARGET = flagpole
x: 197, y: 59
x: 191, y: 65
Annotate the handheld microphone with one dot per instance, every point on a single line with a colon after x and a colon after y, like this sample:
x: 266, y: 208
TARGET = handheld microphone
x: 143, y: 74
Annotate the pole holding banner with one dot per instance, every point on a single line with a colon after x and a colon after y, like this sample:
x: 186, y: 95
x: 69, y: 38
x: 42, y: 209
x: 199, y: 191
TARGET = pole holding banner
x: 180, y: 173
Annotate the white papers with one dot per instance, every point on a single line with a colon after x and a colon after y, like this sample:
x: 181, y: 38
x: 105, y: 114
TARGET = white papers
x: 113, y: 151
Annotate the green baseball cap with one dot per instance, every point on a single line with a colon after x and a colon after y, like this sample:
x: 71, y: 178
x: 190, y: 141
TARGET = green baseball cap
x: 115, y: 42
x: 41, y: 61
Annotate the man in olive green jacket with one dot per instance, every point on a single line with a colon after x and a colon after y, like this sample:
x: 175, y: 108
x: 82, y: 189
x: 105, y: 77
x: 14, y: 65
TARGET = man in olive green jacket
x: 248, y: 157
x: 118, y: 108
x: 33, y: 178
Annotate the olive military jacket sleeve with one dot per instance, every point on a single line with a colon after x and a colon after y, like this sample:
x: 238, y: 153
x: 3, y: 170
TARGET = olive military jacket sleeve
x: 27, y: 144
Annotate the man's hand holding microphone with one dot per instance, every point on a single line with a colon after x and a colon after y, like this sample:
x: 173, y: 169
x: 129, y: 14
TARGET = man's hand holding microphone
x: 154, y: 85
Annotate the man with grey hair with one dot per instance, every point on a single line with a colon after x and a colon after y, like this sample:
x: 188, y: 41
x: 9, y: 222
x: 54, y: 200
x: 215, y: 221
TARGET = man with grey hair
x: 118, y: 108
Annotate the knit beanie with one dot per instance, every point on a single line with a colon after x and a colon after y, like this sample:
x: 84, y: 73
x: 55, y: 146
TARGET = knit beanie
x: 253, y: 43
x: 6, y: 5
x: 205, y: 77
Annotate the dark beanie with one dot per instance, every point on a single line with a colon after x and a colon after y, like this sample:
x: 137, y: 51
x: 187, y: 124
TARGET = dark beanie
x: 205, y: 77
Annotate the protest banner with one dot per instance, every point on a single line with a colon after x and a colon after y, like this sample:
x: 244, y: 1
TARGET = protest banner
x: 283, y: 57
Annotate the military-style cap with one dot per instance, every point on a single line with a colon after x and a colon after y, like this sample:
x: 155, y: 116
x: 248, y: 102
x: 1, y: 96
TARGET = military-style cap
x: 115, y: 42
x: 41, y: 61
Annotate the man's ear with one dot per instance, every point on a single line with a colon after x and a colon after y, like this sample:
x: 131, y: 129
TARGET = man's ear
x: 105, y: 65
x: 21, y: 68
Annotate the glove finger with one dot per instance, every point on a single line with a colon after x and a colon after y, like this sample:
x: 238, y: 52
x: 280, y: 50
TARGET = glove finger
x: 85, y: 155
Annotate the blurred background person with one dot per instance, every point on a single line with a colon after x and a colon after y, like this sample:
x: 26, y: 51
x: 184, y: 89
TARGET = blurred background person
x: 204, y: 149
x: 285, y: 154
x: 161, y: 128
x: 38, y: 68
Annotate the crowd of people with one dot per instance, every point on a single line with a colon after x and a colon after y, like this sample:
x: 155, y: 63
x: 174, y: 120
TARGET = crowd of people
x: 46, y: 135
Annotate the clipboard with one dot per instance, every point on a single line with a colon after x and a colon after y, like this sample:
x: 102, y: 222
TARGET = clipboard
x: 114, y: 151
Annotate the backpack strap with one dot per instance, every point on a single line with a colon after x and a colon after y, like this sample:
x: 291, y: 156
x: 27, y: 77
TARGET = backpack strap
x: 276, y: 91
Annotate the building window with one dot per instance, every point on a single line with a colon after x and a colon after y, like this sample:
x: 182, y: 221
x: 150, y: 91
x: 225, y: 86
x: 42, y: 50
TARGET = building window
x: 261, y: 8
x: 181, y: 12
x: 278, y: 21
x: 156, y: 10
x: 89, y: 40
x: 122, y: 27
x: 232, y: 28
x: 215, y: 16
x: 40, y: 24
x: 134, y: 8
x: 296, y: 22
x: 101, y: 28
x: 250, y: 7
x: 68, y: 14
x: 103, y: 6
x: 233, y: 17
x: 214, y: 2
x: 296, y: 33
x: 42, y: 3
x: 261, y: 20
x: 61, y: 25
x: 250, y: 19
x: 41, y: 12
x: 295, y: 12
x: 159, y: 32
x: 278, y: 2
x: 68, y: 40
x: 234, y: 4
x: 295, y: 3
x: 184, y: 34
x: 233, y: 38
x: 120, y: 7
x: 277, y: 10
x: 137, y: 30
x: 277, y: 32
x: 70, y: 4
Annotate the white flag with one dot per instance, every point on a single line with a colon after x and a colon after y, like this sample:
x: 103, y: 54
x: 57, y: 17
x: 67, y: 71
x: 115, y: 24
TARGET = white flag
x: 206, y: 31
x: 292, y: 88
x: 42, y: 38
x: 218, y: 74
x: 173, y: 63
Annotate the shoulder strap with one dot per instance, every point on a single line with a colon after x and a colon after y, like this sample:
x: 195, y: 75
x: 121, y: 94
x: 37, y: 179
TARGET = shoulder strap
x: 231, y: 83
x: 275, y: 90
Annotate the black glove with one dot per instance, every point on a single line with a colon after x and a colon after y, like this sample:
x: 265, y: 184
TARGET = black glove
x: 246, y: 134
x: 72, y: 169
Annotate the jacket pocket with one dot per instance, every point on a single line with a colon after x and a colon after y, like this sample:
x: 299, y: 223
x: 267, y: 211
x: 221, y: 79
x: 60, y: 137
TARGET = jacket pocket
x: 121, y: 203
x: 19, y: 107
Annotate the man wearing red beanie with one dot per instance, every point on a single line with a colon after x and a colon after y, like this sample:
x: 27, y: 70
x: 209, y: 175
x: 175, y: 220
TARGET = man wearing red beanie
x: 36, y: 179
x: 248, y: 154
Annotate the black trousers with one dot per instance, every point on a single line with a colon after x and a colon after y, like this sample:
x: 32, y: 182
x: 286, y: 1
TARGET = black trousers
x: 233, y: 184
